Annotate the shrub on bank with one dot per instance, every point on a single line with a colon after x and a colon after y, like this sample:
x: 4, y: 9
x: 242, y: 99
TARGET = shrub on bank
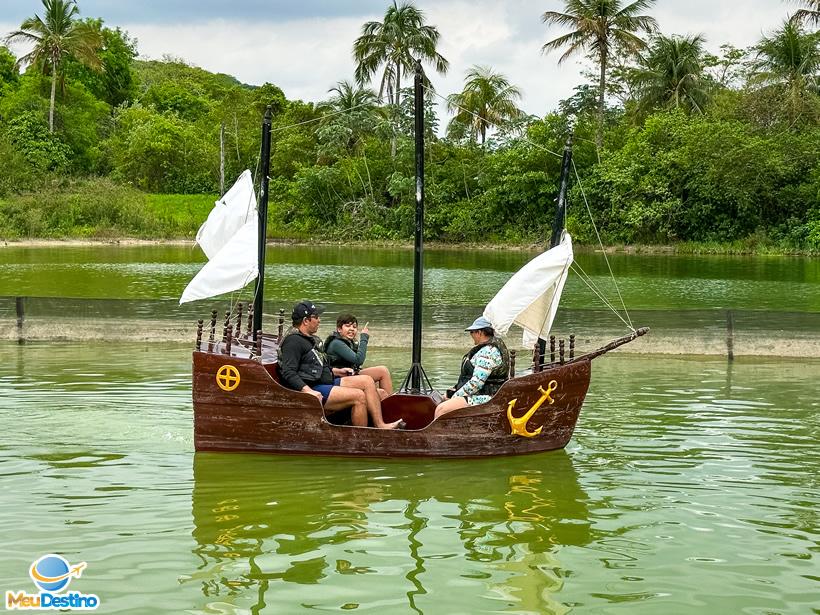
x: 78, y: 209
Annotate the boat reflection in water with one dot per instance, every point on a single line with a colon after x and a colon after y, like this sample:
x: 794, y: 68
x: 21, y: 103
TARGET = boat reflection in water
x: 438, y: 537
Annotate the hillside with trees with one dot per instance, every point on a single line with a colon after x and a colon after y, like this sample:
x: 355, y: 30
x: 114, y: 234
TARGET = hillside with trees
x: 673, y: 144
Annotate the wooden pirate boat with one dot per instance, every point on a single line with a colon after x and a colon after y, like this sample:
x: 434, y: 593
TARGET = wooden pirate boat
x: 240, y: 405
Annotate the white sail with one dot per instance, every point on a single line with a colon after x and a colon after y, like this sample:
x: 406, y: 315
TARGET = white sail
x: 530, y: 297
x: 233, y: 267
x: 229, y: 214
x: 229, y: 239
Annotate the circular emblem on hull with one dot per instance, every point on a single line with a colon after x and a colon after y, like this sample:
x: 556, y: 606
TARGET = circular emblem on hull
x: 227, y: 377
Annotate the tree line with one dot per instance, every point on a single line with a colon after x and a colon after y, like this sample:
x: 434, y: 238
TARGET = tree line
x: 672, y: 143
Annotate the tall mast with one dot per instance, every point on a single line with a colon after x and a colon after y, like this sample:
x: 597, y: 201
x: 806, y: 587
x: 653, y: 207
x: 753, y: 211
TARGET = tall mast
x: 561, y: 209
x: 259, y: 292
x: 558, y: 222
x: 418, y: 260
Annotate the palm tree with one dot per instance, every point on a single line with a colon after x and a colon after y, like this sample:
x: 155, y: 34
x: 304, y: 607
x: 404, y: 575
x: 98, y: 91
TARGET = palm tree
x: 487, y: 99
x: 56, y: 37
x: 354, y: 110
x: 396, y: 43
x: 809, y: 14
x: 347, y: 98
x: 789, y: 60
x: 671, y: 74
x: 601, y: 27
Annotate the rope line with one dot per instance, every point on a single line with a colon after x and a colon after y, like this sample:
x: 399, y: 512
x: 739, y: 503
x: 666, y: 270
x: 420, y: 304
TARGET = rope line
x: 586, y: 279
x: 601, y: 243
x: 319, y: 119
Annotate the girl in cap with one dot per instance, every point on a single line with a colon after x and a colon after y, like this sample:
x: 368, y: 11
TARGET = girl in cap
x: 483, y: 370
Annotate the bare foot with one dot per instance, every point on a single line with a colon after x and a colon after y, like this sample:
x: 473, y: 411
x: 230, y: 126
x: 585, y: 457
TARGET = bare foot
x: 394, y: 425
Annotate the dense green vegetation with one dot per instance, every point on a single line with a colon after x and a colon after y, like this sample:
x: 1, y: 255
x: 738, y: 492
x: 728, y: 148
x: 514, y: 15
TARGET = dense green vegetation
x: 695, y: 149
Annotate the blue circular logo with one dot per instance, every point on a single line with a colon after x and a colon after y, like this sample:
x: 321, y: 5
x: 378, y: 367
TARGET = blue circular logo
x: 50, y: 573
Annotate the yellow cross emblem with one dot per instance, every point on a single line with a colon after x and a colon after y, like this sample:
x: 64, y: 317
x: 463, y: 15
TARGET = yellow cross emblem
x: 227, y: 377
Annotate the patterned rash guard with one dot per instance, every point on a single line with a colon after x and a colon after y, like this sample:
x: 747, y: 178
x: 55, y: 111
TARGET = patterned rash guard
x: 484, y: 362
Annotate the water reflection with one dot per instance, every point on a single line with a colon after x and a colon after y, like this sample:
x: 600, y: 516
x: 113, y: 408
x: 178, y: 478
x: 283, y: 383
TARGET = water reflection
x: 398, y: 534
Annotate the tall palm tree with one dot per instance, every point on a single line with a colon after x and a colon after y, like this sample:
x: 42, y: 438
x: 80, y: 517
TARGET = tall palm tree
x: 809, y: 14
x: 600, y: 27
x: 789, y: 60
x: 671, y: 74
x: 487, y: 99
x: 55, y: 37
x: 396, y: 43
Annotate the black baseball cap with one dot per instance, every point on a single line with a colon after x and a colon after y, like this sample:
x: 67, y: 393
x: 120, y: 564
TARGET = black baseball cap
x: 305, y: 309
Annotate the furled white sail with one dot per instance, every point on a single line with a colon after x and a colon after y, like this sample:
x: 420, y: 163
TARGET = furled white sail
x: 230, y: 213
x: 530, y: 297
x: 229, y: 239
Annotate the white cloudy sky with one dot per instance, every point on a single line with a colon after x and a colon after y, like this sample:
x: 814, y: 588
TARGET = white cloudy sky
x: 305, y: 47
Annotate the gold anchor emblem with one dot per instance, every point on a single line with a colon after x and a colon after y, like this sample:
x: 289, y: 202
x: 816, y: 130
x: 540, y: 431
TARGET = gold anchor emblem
x: 519, y: 425
x: 227, y: 377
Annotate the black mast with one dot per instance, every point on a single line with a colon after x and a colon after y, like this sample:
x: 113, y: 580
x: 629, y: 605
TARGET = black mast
x: 263, y: 223
x: 561, y: 210
x: 416, y: 378
x: 558, y: 223
x: 418, y: 259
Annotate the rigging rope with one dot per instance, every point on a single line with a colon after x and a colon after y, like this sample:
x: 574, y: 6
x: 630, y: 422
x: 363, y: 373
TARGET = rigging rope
x: 600, y: 243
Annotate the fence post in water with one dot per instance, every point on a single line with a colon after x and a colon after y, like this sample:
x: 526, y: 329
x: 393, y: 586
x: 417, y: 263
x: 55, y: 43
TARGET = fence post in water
x: 730, y: 335
x: 512, y: 363
x: 199, y: 334
x: 21, y: 317
x: 213, y: 331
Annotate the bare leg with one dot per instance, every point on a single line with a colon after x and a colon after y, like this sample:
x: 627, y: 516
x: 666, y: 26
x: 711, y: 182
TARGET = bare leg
x: 374, y: 404
x: 449, y: 405
x: 382, y: 394
x: 341, y: 398
x: 381, y: 376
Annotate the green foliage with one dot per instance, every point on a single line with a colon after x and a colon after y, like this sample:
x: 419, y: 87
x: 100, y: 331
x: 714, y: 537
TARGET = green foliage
x: 96, y: 208
x: 116, y: 83
x: 8, y: 68
x: 28, y: 133
x: 697, y: 179
x: 162, y: 153
x: 18, y: 173
x: 136, y: 149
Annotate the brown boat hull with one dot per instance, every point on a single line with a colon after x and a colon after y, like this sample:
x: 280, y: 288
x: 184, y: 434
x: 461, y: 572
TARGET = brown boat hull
x: 260, y: 415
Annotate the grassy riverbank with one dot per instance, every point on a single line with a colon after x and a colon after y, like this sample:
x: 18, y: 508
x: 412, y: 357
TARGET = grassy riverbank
x: 100, y: 210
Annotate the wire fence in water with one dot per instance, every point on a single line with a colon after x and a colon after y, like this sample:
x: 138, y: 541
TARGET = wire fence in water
x: 733, y: 333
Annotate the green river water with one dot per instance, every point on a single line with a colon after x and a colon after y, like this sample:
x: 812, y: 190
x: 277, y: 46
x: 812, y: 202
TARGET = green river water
x: 690, y: 485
